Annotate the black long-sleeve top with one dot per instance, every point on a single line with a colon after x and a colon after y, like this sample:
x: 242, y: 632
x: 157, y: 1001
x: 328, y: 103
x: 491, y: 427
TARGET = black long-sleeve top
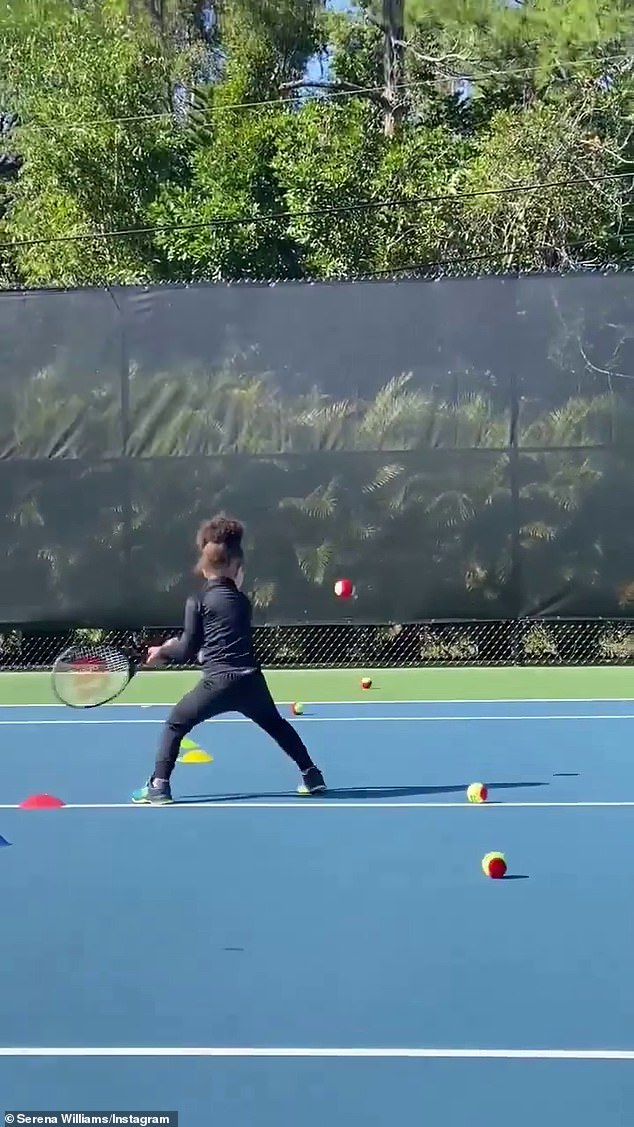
x: 217, y: 629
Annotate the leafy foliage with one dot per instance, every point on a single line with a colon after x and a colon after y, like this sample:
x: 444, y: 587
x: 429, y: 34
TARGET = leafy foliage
x: 191, y: 140
x: 83, y: 81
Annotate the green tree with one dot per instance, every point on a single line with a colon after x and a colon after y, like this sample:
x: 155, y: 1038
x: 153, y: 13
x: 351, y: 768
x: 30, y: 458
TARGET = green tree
x: 517, y: 53
x: 92, y: 87
x: 195, y: 136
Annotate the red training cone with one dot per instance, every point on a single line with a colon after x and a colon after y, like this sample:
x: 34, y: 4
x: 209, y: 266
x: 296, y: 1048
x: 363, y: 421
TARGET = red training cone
x: 41, y: 802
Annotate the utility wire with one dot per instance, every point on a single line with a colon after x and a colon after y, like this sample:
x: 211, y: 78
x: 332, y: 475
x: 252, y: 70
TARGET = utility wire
x: 313, y: 213
x: 331, y: 94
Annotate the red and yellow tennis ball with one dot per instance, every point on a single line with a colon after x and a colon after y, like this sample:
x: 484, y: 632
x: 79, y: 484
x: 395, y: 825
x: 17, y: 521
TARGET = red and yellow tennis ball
x: 344, y: 588
x: 366, y: 683
x: 297, y: 708
x: 494, y: 865
x: 477, y: 792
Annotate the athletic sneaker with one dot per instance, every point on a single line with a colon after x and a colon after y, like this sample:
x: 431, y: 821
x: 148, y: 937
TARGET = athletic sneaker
x: 313, y: 782
x: 153, y: 794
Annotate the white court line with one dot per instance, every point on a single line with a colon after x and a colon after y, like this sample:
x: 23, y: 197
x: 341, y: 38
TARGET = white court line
x: 369, y: 701
x: 339, y: 719
x: 360, y: 1053
x: 319, y: 804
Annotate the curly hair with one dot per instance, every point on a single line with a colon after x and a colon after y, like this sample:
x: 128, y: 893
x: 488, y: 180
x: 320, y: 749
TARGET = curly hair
x: 219, y: 542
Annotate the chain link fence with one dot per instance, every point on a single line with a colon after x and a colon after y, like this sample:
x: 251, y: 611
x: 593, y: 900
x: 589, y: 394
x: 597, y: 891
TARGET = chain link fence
x: 524, y: 642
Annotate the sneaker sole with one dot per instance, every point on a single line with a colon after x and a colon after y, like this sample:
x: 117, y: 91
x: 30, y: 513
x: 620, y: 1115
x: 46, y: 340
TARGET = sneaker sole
x: 315, y: 790
x: 152, y: 801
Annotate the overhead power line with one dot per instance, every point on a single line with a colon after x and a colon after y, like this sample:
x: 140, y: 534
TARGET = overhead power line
x: 313, y: 213
x: 333, y: 92
x: 511, y: 256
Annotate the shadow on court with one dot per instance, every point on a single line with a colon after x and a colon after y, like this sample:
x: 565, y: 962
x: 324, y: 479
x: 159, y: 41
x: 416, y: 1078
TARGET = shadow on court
x: 355, y: 793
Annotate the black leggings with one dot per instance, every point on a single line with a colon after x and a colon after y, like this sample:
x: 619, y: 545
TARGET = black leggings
x: 245, y: 693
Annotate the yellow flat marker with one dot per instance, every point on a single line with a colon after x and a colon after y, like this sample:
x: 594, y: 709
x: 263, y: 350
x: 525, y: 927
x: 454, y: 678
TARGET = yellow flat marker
x: 189, y: 745
x: 197, y: 755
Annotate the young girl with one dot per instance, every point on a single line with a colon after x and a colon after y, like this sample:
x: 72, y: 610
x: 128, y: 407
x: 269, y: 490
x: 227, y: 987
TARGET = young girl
x: 217, y: 627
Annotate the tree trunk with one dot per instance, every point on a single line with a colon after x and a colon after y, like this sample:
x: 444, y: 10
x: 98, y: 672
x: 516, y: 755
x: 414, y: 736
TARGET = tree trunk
x: 393, y: 31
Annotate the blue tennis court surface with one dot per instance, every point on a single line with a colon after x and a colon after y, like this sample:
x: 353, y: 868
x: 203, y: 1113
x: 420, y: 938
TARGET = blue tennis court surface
x: 251, y: 957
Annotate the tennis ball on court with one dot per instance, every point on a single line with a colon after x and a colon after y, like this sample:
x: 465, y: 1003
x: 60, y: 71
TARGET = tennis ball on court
x: 494, y: 865
x: 297, y: 709
x: 366, y: 683
x: 477, y: 792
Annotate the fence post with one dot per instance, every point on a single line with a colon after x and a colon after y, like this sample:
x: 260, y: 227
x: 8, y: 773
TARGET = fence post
x: 517, y: 656
x: 124, y: 404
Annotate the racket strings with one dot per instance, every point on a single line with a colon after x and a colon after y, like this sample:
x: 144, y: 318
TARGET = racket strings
x: 96, y: 658
x: 89, y: 675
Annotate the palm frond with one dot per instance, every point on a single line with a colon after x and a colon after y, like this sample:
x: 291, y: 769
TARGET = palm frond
x: 320, y: 504
x: 383, y: 477
x: 314, y: 561
x: 538, y: 530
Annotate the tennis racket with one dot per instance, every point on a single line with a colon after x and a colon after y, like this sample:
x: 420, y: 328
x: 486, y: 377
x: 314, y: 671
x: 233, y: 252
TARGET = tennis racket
x: 86, y: 676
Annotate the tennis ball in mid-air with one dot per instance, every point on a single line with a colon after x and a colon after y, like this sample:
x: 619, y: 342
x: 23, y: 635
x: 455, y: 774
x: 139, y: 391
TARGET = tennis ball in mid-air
x: 297, y: 709
x: 494, y: 865
x: 366, y: 683
x: 477, y: 792
x: 344, y: 589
